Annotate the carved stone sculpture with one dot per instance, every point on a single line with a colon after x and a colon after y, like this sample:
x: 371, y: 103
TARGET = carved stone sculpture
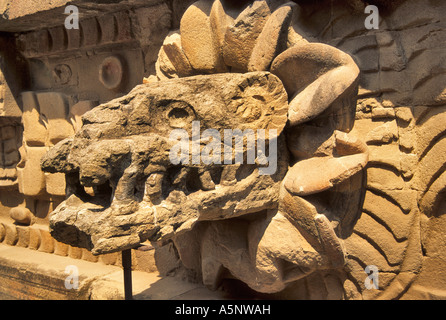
x: 282, y: 149
x: 266, y: 230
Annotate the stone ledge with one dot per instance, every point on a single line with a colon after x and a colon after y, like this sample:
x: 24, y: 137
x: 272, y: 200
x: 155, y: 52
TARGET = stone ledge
x: 32, y: 275
x: 26, y: 15
x: 38, y: 238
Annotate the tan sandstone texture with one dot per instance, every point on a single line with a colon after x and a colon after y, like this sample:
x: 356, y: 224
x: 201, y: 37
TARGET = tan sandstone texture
x: 277, y: 146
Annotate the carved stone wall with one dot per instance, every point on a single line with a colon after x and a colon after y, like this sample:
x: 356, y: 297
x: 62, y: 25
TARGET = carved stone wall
x: 63, y: 74
x: 401, y: 96
x: 400, y: 117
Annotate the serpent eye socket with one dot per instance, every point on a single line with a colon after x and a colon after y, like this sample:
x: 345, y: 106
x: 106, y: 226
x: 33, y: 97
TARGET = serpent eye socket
x: 180, y: 114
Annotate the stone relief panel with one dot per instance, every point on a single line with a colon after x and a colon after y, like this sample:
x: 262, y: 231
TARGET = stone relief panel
x: 10, y: 142
x: 359, y: 116
x: 313, y: 198
x: 64, y: 74
x: 405, y: 50
x: 390, y: 117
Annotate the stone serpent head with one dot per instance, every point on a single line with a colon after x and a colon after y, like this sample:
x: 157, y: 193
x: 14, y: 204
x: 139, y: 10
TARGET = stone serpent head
x: 124, y: 183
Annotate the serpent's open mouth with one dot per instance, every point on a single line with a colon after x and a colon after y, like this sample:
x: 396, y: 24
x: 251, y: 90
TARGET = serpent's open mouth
x: 160, y: 206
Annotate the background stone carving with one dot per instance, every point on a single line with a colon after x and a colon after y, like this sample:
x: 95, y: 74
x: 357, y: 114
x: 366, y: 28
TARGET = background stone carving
x: 49, y: 78
x: 401, y: 86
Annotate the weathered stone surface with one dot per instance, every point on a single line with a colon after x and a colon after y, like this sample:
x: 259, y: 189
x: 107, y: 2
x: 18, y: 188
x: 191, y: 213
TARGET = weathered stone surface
x: 45, y: 122
x: 21, y: 15
x: 314, y: 75
x: 78, y: 110
x: 306, y: 233
x: 305, y: 178
x: 34, y: 131
x: 221, y: 19
x: 270, y: 241
x: 140, y: 195
x: 172, y: 61
x: 54, y: 109
x: 55, y: 184
x: 10, y: 137
x: 21, y: 215
x: 240, y: 38
x: 8, y: 103
x: 116, y: 158
x: 198, y: 40
x: 272, y: 39
x: 30, y: 176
